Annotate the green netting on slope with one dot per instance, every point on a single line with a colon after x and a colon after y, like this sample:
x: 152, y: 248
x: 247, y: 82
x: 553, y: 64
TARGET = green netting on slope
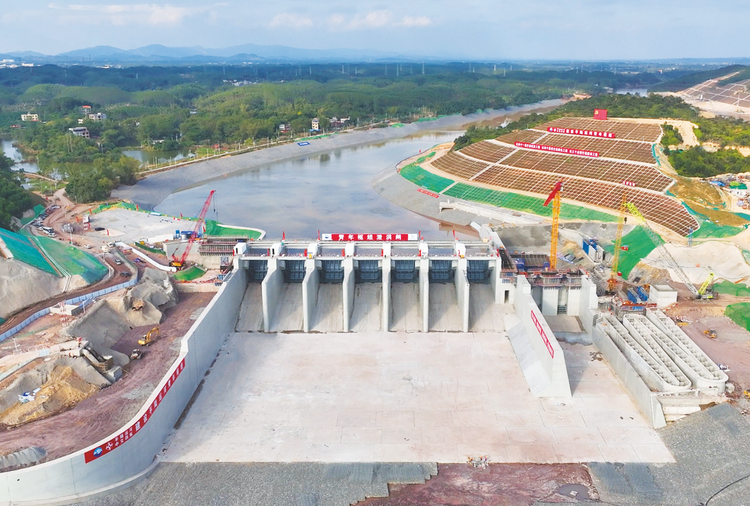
x: 729, y: 288
x: 72, y: 260
x: 639, y: 246
x: 421, y: 177
x: 743, y: 216
x: 710, y: 230
x: 24, y: 251
x: 215, y: 229
x: 38, y: 209
x: 116, y: 205
x: 739, y: 314
x: 524, y: 203
x: 190, y: 274
x: 425, y: 157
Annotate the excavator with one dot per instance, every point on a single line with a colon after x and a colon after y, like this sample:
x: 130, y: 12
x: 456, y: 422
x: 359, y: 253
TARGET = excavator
x: 147, y: 339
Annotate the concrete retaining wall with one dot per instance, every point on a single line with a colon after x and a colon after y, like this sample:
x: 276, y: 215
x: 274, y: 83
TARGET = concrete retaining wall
x: 538, y: 352
x: 310, y: 286
x: 348, y: 298
x: 588, y: 305
x: 271, y: 291
x: 131, y: 450
x: 386, y: 293
x: 634, y: 385
x: 424, y: 292
x: 462, y: 293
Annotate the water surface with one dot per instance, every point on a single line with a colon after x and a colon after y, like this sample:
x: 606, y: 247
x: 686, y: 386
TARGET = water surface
x: 330, y: 192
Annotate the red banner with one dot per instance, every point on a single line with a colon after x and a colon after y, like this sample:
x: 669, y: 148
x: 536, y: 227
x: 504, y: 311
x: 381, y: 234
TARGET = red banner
x: 126, y: 434
x: 576, y: 131
x: 557, y: 149
x: 539, y: 329
x: 370, y: 237
x: 628, y: 183
x: 427, y: 192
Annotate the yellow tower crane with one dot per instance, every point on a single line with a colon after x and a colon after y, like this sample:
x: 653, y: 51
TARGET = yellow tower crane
x: 554, y: 197
x: 612, y: 281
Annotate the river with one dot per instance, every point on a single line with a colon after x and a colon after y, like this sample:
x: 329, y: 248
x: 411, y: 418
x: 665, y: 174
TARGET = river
x: 14, y: 154
x: 329, y: 192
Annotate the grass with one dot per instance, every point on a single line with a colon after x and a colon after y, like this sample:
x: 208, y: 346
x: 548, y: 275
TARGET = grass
x: 189, y: 274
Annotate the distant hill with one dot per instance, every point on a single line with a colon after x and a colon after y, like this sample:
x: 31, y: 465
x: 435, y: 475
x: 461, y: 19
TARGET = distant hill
x: 157, y: 53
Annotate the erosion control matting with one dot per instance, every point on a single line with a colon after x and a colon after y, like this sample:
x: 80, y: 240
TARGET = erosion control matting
x: 72, y: 261
x: 524, y: 203
x: 24, y: 251
x: 739, y: 314
x: 638, y: 244
x: 190, y: 274
x: 729, y: 288
x: 216, y: 229
x: 427, y: 180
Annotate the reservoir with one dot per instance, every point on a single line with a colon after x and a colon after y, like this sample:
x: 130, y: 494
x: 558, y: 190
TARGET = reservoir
x: 329, y: 192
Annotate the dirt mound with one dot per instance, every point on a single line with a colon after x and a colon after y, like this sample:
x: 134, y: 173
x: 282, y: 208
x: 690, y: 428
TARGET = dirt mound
x: 156, y: 288
x: 53, y: 387
x: 24, y: 285
x: 109, y: 319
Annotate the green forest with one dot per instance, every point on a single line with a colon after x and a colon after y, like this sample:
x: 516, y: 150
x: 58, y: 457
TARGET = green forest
x: 199, y: 107
x: 14, y: 200
x: 170, y: 108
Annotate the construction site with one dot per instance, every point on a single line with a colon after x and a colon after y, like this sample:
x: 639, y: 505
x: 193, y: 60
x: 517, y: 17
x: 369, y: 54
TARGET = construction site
x: 592, y: 301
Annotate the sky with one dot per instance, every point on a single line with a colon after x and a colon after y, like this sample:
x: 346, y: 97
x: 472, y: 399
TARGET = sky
x: 481, y: 29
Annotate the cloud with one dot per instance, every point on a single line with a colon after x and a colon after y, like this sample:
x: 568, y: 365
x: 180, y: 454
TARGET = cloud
x: 290, y: 20
x: 120, y: 14
x: 373, y: 19
x: 416, y: 21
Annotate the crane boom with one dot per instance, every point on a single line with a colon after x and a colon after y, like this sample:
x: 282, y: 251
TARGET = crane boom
x: 671, y: 262
x: 555, y: 196
x: 704, y: 286
x: 180, y: 262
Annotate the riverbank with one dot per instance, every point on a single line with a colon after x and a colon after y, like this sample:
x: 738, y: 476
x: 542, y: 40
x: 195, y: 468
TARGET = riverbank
x: 149, y: 192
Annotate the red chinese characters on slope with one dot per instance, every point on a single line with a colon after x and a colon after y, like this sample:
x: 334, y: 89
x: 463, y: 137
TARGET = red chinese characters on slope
x: 557, y: 149
x: 126, y: 434
x: 585, y: 133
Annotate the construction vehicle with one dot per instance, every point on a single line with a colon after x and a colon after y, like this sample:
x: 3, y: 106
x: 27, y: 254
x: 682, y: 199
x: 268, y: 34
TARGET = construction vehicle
x: 136, y: 354
x: 555, y: 197
x: 612, y: 281
x: 659, y: 243
x: 147, y: 339
x: 711, y: 333
x: 180, y: 262
x: 702, y: 290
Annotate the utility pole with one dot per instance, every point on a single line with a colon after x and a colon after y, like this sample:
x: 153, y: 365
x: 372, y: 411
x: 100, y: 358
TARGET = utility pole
x: 422, y: 68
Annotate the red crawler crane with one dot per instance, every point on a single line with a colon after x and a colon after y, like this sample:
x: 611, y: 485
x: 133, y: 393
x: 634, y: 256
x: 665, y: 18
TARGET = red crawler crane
x: 180, y: 262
